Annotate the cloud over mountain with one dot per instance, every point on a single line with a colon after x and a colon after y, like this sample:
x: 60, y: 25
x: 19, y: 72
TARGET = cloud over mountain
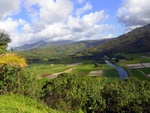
x: 29, y: 21
x: 134, y: 13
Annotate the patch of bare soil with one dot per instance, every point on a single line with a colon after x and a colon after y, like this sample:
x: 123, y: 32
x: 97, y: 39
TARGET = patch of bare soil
x: 54, y: 75
x: 52, y: 64
x: 96, y: 73
x: 134, y: 66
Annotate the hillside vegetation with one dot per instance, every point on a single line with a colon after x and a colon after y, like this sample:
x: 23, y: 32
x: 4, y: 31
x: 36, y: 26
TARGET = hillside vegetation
x: 137, y: 40
x: 19, y: 104
x: 55, y: 51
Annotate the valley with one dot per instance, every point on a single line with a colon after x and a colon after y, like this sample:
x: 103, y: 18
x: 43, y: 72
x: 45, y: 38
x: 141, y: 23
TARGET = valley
x: 85, y: 76
x: 90, y: 55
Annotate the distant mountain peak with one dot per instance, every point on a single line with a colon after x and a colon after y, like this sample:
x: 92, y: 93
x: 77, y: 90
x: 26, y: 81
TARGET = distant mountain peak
x: 40, y: 44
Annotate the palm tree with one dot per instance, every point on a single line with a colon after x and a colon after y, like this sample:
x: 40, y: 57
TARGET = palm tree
x: 9, y: 58
x: 12, y: 59
x: 4, y: 38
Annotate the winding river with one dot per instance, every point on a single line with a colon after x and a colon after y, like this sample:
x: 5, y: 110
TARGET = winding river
x: 123, y: 74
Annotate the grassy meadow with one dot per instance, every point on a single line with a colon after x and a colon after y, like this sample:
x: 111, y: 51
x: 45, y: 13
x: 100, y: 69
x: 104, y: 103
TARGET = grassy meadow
x: 19, y: 104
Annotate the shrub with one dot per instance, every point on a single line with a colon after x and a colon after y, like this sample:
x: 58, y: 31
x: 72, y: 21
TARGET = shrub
x: 15, y: 80
x: 73, y: 92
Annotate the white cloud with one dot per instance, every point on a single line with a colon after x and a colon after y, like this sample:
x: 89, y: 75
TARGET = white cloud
x: 55, y: 20
x: 134, y: 13
x: 93, y: 18
x: 86, y: 7
x: 27, y: 28
x: 9, y: 24
x: 7, y: 7
x: 50, y: 11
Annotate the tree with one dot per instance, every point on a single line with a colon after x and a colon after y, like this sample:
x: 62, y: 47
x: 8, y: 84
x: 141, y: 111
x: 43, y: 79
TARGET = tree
x: 127, y: 96
x: 4, y: 40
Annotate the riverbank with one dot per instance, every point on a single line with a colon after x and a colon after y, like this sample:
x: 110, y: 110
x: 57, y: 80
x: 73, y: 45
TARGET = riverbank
x: 123, y: 74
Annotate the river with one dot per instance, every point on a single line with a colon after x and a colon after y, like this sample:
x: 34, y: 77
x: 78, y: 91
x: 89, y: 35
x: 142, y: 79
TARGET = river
x: 123, y: 74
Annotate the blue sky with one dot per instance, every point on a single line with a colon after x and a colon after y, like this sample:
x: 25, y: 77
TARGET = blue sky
x: 30, y: 21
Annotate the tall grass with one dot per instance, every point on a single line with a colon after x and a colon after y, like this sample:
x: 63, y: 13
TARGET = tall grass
x: 19, y: 104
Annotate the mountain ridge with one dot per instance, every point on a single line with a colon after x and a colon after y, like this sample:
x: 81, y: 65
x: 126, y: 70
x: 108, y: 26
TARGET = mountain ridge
x: 40, y: 44
x: 137, y: 40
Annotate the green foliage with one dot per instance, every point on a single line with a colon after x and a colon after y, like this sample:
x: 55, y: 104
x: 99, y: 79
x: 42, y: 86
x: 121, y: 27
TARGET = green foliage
x: 73, y: 92
x: 13, y: 79
x: 129, y: 95
x: 97, y: 64
x: 3, y: 49
x: 11, y: 103
x: 135, y: 41
x: 59, y: 51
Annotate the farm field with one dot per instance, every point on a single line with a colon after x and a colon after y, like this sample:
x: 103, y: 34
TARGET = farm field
x: 86, y: 67
x: 140, y: 75
x: 82, y: 68
x: 138, y: 67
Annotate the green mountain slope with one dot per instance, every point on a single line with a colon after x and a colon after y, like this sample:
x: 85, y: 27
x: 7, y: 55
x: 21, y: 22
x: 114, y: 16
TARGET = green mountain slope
x: 60, y: 51
x: 137, y: 40
x: 41, y: 44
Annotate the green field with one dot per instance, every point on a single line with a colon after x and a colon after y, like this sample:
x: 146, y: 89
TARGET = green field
x: 40, y: 69
x: 88, y: 65
x: 139, y: 75
x: 83, y: 69
x: 145, y: 70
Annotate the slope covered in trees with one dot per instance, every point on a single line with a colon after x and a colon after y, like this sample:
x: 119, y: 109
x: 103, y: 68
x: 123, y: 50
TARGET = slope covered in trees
x: 137, y: 40
x: 51, y: 51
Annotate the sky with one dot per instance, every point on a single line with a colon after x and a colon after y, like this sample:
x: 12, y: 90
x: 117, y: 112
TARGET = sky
x: 29, y: 21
